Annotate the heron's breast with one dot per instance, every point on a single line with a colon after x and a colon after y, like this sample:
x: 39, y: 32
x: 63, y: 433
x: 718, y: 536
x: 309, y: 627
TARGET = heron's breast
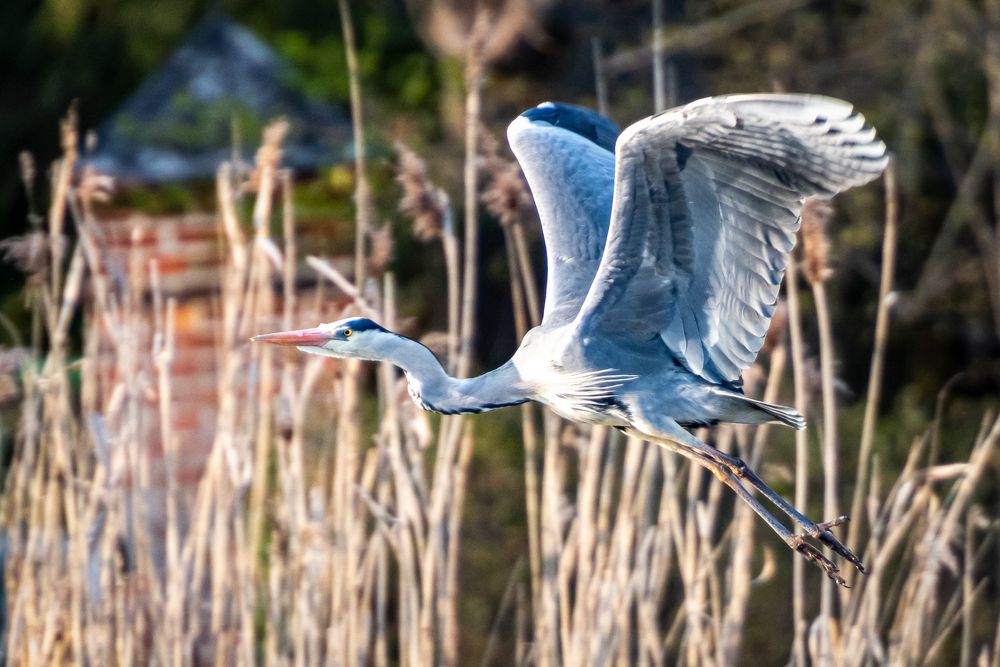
x: 589, y: 408
x: 413, y: 389
x: 585, y: 415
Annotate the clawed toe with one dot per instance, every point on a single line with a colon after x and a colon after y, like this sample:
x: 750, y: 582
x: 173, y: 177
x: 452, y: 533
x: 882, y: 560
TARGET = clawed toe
x: 827, y: 525
x: 822, y: 532
x: 813, y: 555
x: 731, y: 470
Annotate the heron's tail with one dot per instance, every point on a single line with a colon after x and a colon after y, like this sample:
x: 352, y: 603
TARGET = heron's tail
x: 781, y: 413
x: 777, y: 413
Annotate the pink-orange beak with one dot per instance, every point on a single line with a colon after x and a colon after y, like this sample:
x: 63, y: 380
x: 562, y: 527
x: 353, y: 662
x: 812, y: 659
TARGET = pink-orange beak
x: 299, y: 337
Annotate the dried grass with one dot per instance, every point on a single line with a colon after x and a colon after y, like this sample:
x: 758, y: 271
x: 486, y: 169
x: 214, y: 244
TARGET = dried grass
x: 635, y: 557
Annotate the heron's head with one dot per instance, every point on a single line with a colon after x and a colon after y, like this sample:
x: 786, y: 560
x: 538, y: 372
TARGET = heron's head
x: 580, y: 120
x: 353, y: 338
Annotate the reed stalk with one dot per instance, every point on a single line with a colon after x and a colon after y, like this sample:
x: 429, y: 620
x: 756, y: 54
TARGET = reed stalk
x: 520, y: 292
x: 362, y: 192
x: 815, y: 248
x: 635, y: 556
x: 600, y: 79
x: 876, y: 371
x: 659, y: 74
x: 473, y: 112
x: 801, y: 455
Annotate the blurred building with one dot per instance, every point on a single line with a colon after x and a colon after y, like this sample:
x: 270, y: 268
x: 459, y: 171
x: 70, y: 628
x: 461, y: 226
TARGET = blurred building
x: 210, y: 100
x: 206, y: 105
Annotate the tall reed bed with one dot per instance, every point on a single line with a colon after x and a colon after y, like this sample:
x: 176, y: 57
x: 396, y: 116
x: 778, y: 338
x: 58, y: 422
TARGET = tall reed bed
x: 352, y: 557
x: 639, y: 558
x: 271, y: 560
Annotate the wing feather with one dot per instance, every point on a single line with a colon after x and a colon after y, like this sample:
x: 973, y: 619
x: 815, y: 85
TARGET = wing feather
x: 572, y: 181
x: 705, y: 211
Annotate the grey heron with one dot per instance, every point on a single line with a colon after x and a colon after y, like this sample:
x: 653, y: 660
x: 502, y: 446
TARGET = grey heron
x: 666, y: 247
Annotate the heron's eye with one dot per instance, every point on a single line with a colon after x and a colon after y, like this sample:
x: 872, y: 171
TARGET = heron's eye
x: 347, y: 333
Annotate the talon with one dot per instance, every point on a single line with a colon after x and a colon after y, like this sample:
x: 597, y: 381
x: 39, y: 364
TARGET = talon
x: 813, y: 555
x: 822, y: 532
x: 827, y: 525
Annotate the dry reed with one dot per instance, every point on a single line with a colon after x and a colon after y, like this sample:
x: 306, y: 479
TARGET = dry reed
x: 635, y: 557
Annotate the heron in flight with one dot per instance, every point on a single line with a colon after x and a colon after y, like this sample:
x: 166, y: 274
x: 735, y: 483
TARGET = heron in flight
x: 666, y: 248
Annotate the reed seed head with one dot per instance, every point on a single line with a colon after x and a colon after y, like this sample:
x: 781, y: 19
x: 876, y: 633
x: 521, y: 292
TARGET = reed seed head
x: 29, y: 253
x: 476, y: 49
x: 94, y: 186
x: 11, y: 361
x: 422, y: 202
x: 506, y: 194
x: 382, y: 247
x: 69, y: 134
x: 816, y: 213
x: 269, y: 153
x: 26, y: 164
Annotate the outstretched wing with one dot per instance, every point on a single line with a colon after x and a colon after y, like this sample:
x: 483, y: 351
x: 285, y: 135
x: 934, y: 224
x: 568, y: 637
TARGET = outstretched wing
x: 566, y: 154
x: 706, y: 207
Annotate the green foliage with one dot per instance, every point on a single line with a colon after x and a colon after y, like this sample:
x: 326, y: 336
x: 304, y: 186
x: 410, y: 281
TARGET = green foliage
x: 188, y: 123
x: 392, y: 63
x: 320, y: 66
x: 169, y: 198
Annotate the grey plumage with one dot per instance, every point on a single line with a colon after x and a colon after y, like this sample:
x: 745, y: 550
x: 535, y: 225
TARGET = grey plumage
x: 664, y: 259
x: 707, y: 200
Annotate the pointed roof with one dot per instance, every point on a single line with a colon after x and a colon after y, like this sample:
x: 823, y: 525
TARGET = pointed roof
x: 178, y: 125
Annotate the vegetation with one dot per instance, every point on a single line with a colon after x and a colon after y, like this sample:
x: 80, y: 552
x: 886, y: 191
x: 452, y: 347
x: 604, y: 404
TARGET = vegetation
x: 335, y: 523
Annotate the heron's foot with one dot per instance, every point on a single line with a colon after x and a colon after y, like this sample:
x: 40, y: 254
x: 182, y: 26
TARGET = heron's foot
x: 822, y: 532
x: 816, y: 531
x: 813, y: 555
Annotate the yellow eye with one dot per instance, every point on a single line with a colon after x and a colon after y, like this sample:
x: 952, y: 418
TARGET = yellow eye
x: 347, y: 333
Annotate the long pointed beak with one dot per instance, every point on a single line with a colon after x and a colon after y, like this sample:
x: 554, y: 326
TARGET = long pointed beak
x: 299, y: 337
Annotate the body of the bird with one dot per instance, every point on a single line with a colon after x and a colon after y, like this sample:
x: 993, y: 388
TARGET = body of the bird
x: 666, y: 247
x: 617, y: 378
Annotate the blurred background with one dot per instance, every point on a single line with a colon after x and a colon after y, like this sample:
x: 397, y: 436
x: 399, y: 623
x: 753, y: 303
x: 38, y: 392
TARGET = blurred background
x: 165, y: 93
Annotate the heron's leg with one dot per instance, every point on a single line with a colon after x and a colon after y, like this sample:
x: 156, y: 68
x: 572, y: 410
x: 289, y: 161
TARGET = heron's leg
x: 820, y: 531
x: 795, y: 542
x: 694, y: 449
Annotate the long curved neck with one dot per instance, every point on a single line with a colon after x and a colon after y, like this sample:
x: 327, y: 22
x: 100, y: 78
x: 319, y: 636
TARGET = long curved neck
x: 433, y: 389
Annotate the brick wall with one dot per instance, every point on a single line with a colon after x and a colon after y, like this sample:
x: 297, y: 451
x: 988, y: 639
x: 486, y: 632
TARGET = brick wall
x: 189, y: 254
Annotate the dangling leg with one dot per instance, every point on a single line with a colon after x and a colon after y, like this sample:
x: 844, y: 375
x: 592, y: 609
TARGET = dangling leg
x: 730, y: 470
x: 795, y: 542
x: 817, y: 531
